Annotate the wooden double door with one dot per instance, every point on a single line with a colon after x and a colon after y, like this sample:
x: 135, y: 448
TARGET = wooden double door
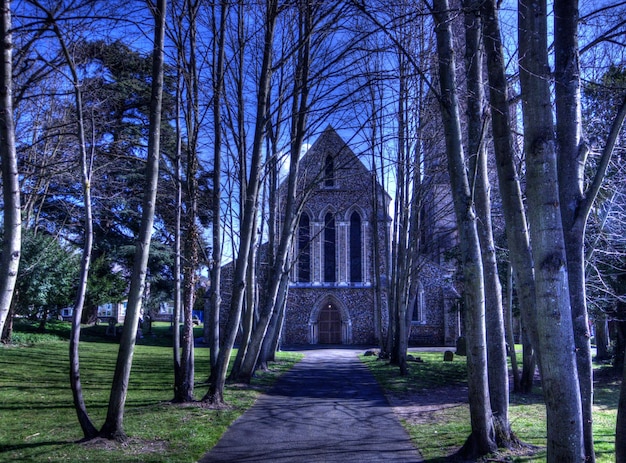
x: 329, y: 325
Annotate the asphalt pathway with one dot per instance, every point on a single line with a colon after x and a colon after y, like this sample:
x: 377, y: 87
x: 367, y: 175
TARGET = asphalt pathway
x: 327, y: 408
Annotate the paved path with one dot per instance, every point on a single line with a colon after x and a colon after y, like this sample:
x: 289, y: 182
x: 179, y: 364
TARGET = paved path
x: 328, y: 408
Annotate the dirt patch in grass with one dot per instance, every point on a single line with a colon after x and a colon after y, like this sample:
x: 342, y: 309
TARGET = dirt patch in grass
x: 132, y: 446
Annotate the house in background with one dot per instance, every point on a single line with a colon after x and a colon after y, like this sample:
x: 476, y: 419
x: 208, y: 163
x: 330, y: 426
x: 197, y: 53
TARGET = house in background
x: 106, y: 312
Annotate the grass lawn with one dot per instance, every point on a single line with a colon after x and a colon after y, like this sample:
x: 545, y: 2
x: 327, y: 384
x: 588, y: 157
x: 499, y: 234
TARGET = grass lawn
x: 38, y: 421
x: 438, y: 431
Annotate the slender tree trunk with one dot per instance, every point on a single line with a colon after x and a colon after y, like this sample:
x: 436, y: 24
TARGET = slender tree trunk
x: 572, y: 155
x: 12, y: 241
x: 555, y: 338
x: 601, y: 328
x: 250, y: 315
x: 271, y: 343
x: 377, y: 198
x: 86, y: 424
x: 401, y: 252
x: 175, y: 322
x: 7, y: 329
x: 190, y: 279
x: 216, y: 262
x: 477, y: 127
x: 620, y: 427
x: 510, y: 335
x: 508, y: 179
x: 529, y: 364
x: 191, y: 250
x: 482, y: 439
x: 113, y: 425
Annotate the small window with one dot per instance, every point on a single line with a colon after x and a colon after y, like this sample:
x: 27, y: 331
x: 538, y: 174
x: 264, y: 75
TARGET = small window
x: 329, y: 172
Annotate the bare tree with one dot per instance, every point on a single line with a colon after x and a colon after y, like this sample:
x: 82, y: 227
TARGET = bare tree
x: 249, y: 207
x: 10, y: 181
x: 405, y: 230
x: 185, y: 33
x: 113, y: 425
x: 508, y: 177
x: 482, y: 439
x: 177, y: 358
x: 87, y: 426
x: 213, y: 321
x: 555, y: 336
x: 477, y: 131
x: 85, y: 163
x: 576, y: 200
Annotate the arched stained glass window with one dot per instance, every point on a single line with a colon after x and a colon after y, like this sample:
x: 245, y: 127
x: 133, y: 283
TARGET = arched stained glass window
x: 304, y: 249
x: 330, y: 248
x: 356, y: 271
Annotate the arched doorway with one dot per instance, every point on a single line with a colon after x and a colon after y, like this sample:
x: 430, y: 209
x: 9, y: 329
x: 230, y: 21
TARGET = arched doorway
x: 329, y: 325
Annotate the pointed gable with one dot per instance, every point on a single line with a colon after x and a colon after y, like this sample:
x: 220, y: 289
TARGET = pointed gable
x: 331, y: 176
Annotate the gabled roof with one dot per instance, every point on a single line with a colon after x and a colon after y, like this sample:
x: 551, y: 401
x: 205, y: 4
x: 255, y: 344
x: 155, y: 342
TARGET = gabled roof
x: 346, y: 163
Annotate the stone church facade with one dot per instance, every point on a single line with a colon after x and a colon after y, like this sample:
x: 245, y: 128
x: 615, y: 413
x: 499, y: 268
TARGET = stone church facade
x: 334, y: 296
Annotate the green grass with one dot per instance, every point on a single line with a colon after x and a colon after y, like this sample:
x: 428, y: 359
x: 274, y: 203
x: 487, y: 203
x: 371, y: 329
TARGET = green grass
x: 439, y: 433
x: 38, y: 421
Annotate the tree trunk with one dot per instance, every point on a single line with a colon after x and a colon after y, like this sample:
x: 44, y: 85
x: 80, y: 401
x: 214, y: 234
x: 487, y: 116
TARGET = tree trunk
x: 271, y: 343
x: 572, y: 155
x: 86, y: 424
x: 508, y: 180
x: 184, y: 391
x: 175, y: 322
x: 11, y: 242
x: 601, y: 328
x: 191, y: 249
x: 498, y: 372
x: 482, y: 439
x: 7, y: 329
x: 529, y: 364
x: 250, y: 316
x: 113, y: 425
x: 376, y: 255
x: 510, y: 336
x: 555, y: 338
x: 620, y: 427
x: 213, y: 324
x: 400, y: 261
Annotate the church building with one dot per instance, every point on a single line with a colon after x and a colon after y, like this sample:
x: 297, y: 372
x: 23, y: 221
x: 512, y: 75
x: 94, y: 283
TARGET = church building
x: 342, y: 237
